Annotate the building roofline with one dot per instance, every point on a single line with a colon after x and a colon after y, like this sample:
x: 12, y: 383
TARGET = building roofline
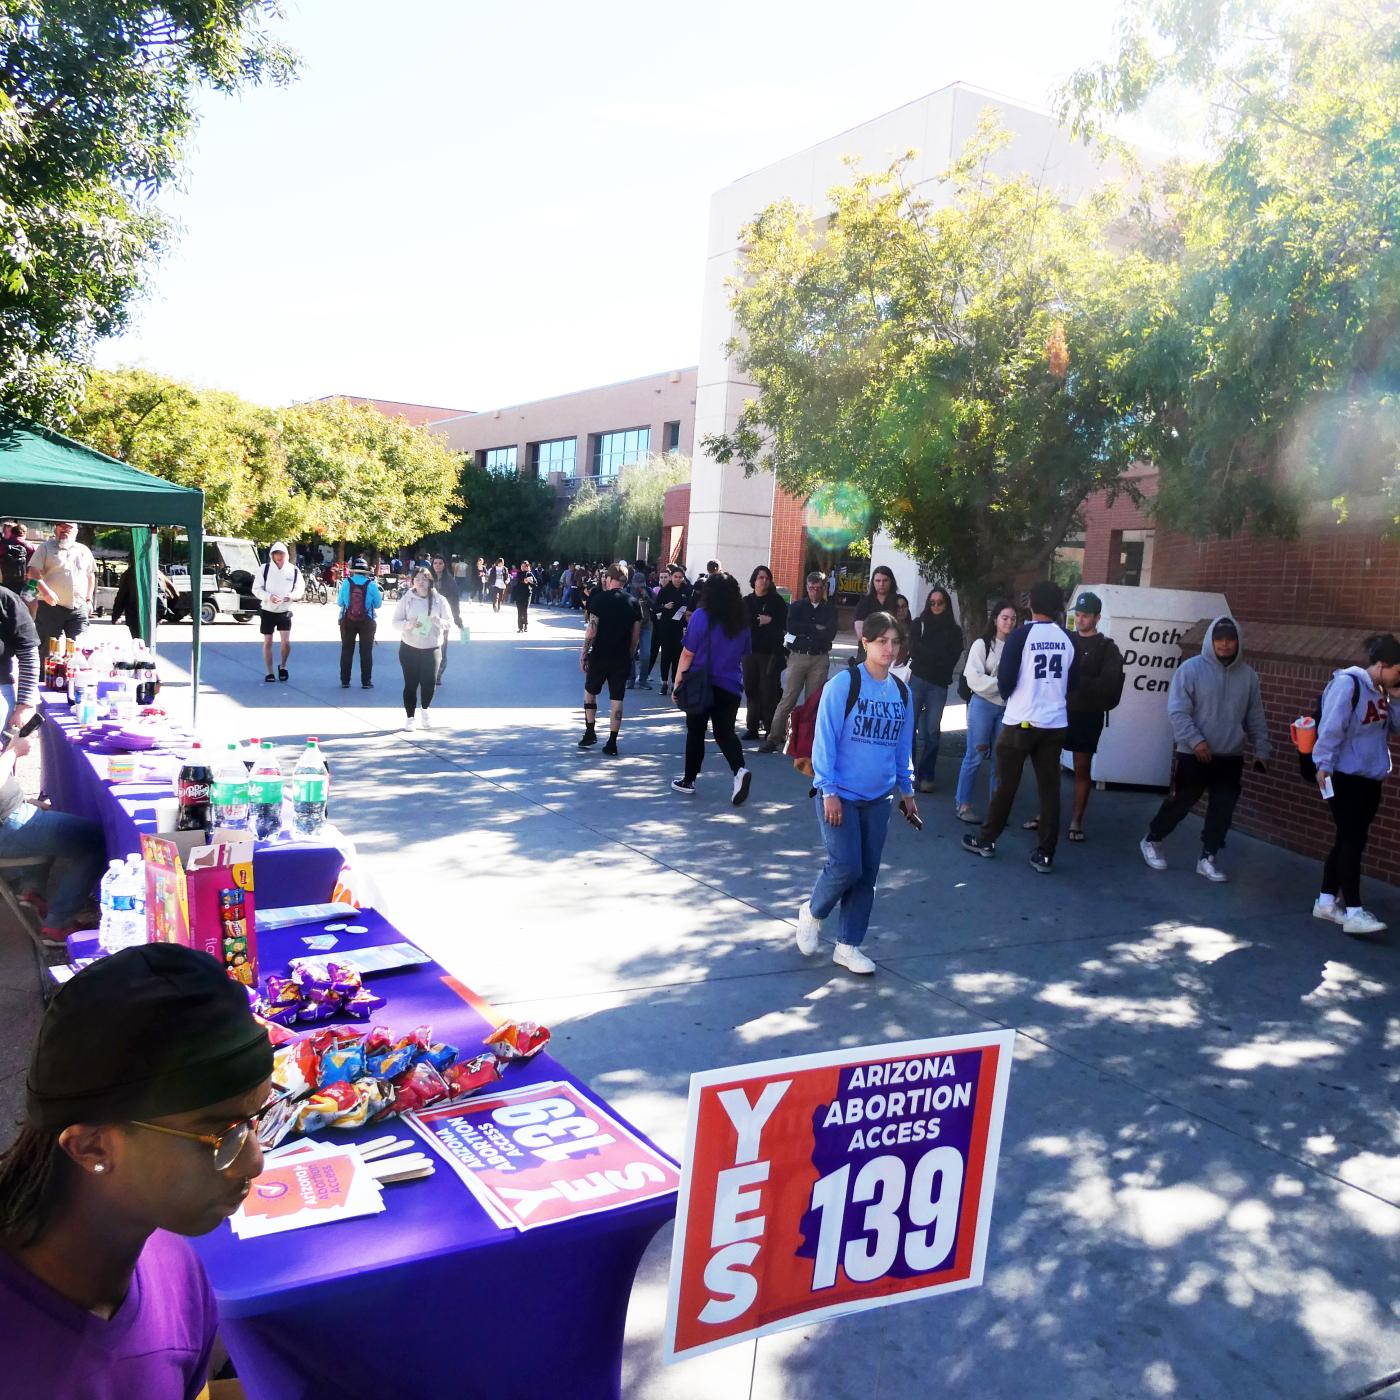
x: 572, y: 393
x: 401, y: 403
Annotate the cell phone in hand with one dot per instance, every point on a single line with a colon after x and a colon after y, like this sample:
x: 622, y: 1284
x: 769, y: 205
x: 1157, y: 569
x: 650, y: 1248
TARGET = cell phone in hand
x: 914, y: 819
x: 1325, y: 788
x: 29, y: 726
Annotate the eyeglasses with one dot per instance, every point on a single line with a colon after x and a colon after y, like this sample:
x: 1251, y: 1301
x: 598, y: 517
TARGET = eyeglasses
x: 227, y: 1144
x: 937, y: 601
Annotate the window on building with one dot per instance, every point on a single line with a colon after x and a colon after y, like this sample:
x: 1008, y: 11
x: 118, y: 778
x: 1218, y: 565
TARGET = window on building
x: 613, y: 451
x: 671, y: 437
x: 1130, y: 557
x: 500, y: 460
x: 558, y: 455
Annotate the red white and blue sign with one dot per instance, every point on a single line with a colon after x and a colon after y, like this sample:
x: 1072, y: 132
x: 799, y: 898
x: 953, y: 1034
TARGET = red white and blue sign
x: 827, y: 1184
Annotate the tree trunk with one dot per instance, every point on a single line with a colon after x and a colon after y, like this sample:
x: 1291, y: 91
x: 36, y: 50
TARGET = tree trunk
x: 972, y: 610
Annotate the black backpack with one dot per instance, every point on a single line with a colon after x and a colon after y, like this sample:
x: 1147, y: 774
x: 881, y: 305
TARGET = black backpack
x: 1306, y: 767
x: 14, y: 566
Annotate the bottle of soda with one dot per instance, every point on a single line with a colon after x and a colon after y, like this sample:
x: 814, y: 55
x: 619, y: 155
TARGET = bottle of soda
x: 265, y: 793
x: 310, y: 786
x: 193, y: 790
x: 228, y: 792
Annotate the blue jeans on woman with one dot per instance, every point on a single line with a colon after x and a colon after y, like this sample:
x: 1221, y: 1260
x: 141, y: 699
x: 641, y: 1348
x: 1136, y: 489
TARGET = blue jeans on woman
x: 853, y: 852
x: 928, y: 701
x: 983, y: 725
x: 641, y: 666
x: 76, y: 845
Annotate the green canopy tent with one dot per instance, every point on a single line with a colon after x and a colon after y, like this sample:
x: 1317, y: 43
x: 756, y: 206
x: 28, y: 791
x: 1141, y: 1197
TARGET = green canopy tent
x: 46, y: 476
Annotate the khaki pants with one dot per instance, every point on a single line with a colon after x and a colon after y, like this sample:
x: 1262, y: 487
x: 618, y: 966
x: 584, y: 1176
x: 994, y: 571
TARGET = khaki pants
x: 804, y: 673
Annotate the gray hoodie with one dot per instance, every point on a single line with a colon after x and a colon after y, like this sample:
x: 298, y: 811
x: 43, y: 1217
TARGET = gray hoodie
x: 1353, y: 735
x: 1217, y: 704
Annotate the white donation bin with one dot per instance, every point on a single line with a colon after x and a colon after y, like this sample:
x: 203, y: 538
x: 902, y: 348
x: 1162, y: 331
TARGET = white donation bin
x: 1148, y: 625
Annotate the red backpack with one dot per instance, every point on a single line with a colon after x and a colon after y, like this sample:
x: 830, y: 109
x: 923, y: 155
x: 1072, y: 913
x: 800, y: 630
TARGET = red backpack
x: 355, y: 609
x: 803, y: 732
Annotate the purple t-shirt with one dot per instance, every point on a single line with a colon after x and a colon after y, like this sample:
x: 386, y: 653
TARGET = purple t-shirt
x: 156, y: 1345
x: 723, y: 656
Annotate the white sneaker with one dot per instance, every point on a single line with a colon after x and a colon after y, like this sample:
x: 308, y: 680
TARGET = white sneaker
x: 742, y: 779
x: 1207, y: 867
x: 852, y: 959
x: 410, y: 723
x: 1151, y: 854
x: 425, y: 720
x: 1333, y: 913
x: 809, y: 930
x: 1362, y: 923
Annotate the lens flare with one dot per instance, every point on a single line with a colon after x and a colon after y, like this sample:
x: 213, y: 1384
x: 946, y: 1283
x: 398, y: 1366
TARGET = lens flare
x: 838, y: 514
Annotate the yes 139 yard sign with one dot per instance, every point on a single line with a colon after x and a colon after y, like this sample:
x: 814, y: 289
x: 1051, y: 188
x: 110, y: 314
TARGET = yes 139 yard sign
x: 827, y: 1184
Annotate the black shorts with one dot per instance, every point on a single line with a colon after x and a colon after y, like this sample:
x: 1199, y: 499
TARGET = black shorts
x: 270, y: 622
x: 607, y: 670
x: 1082, y: 732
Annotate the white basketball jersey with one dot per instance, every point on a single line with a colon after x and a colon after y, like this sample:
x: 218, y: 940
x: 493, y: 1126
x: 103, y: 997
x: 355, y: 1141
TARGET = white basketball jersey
x: 1039, y: 697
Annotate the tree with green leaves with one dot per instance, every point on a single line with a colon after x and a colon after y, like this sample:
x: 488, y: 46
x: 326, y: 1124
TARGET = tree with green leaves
x: 969, y: 373
x: 1279, y: 355
x: 96, y: 106
x: 503, y: 513
x: 606, y: 524
x: 229, y: 448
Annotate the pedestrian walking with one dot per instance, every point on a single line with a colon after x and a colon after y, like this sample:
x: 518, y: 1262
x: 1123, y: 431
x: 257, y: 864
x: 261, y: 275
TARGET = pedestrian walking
x: 523, y: 590
x: 609, y: 645
x: 862, y: 754
x: 668, y: 637
x: 422, y: 617
x: 65, y: 574
x: 639, y: 586
x: 985, y: 707
x: 1214, y: 705
x: 1351, y: 759
x: 767, y: 612
x: 935, y: 644
x: 500, y: 582
x: 445, y: 581
x: 811, y: 631
x: 145, y: 1089
x: 479, y: 580
x: 883, y: 590
x: 1035, y: 673
x: 1097, y: 690
x: 277, y: 585
x: 717, y: 640
x: 359, y: 600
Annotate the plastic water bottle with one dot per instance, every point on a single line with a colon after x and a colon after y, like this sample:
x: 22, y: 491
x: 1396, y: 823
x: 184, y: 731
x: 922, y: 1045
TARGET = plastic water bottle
x: 106, y: 925
x: 265, y: 793
x: 116, y: 927
x: 310, y: 786
x: 228, y: 790
x: 130, y: 913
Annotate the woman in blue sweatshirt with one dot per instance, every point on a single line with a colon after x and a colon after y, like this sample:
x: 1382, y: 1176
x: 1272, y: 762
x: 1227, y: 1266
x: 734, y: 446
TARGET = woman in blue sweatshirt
x: 862, y: 752
x: 1360, y: 711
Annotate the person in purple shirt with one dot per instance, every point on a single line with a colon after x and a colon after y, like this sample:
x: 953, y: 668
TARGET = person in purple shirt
x: 145, y: 1088
x: 718, y: 635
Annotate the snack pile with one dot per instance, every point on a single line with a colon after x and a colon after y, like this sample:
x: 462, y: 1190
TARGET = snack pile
x: 343, y: 1077
x: 317, y: 990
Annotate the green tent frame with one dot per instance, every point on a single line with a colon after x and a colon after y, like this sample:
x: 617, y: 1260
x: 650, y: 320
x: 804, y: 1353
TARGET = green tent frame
x: 46, y: 476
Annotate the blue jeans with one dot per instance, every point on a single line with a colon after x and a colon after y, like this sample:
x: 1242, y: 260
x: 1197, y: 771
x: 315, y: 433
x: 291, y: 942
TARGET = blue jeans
x: 983, y: 719
x: 928, y: 701
x: 853, y: 852
x: 641, y: 667
x: 76, y: 843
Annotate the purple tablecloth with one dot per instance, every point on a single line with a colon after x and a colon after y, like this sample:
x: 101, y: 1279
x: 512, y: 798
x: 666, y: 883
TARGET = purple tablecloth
x: 284, y: 872
x: 429, y: 1298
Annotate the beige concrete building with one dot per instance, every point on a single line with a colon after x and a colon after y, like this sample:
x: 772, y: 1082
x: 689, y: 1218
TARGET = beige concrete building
x: 745, y: 520
x: 592, y: 433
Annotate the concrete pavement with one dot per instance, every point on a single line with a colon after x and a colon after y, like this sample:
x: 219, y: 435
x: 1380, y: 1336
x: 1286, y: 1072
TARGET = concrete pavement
x: 1200, y: 1182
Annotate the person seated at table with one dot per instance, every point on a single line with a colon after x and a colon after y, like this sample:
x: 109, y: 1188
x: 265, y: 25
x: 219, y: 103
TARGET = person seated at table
x: 71, y: 849
x: 145, y: 1087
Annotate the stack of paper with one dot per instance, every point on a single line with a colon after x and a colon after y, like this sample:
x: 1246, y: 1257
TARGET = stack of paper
x: 307, y: 1183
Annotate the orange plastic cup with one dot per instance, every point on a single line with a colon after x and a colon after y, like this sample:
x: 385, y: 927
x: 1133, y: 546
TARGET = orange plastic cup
x: 1304, y: 732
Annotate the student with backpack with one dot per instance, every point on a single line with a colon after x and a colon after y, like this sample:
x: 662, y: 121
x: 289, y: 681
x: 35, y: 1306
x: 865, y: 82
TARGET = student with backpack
x: 862, y: 754
x: 277, y: 585
x: 359, y: 600
x: 1351, y: 759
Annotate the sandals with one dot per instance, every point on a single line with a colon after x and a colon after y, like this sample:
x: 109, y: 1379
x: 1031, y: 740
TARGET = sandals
x: 1032, y: 825
x: 1075, y: 834
x: 270, y: 678
x: 281, y: 673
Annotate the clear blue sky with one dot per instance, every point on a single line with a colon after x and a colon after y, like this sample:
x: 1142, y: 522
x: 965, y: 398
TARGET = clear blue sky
x: 475, y: 204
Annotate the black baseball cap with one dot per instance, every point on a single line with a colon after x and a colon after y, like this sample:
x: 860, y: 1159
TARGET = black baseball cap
x: 1089, y: 602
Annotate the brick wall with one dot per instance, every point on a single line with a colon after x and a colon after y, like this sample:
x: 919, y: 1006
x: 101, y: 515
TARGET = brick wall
x: 1294, y: 663
x: 1102, y: 522
x: 675, y: 517
x: 788, y: 542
